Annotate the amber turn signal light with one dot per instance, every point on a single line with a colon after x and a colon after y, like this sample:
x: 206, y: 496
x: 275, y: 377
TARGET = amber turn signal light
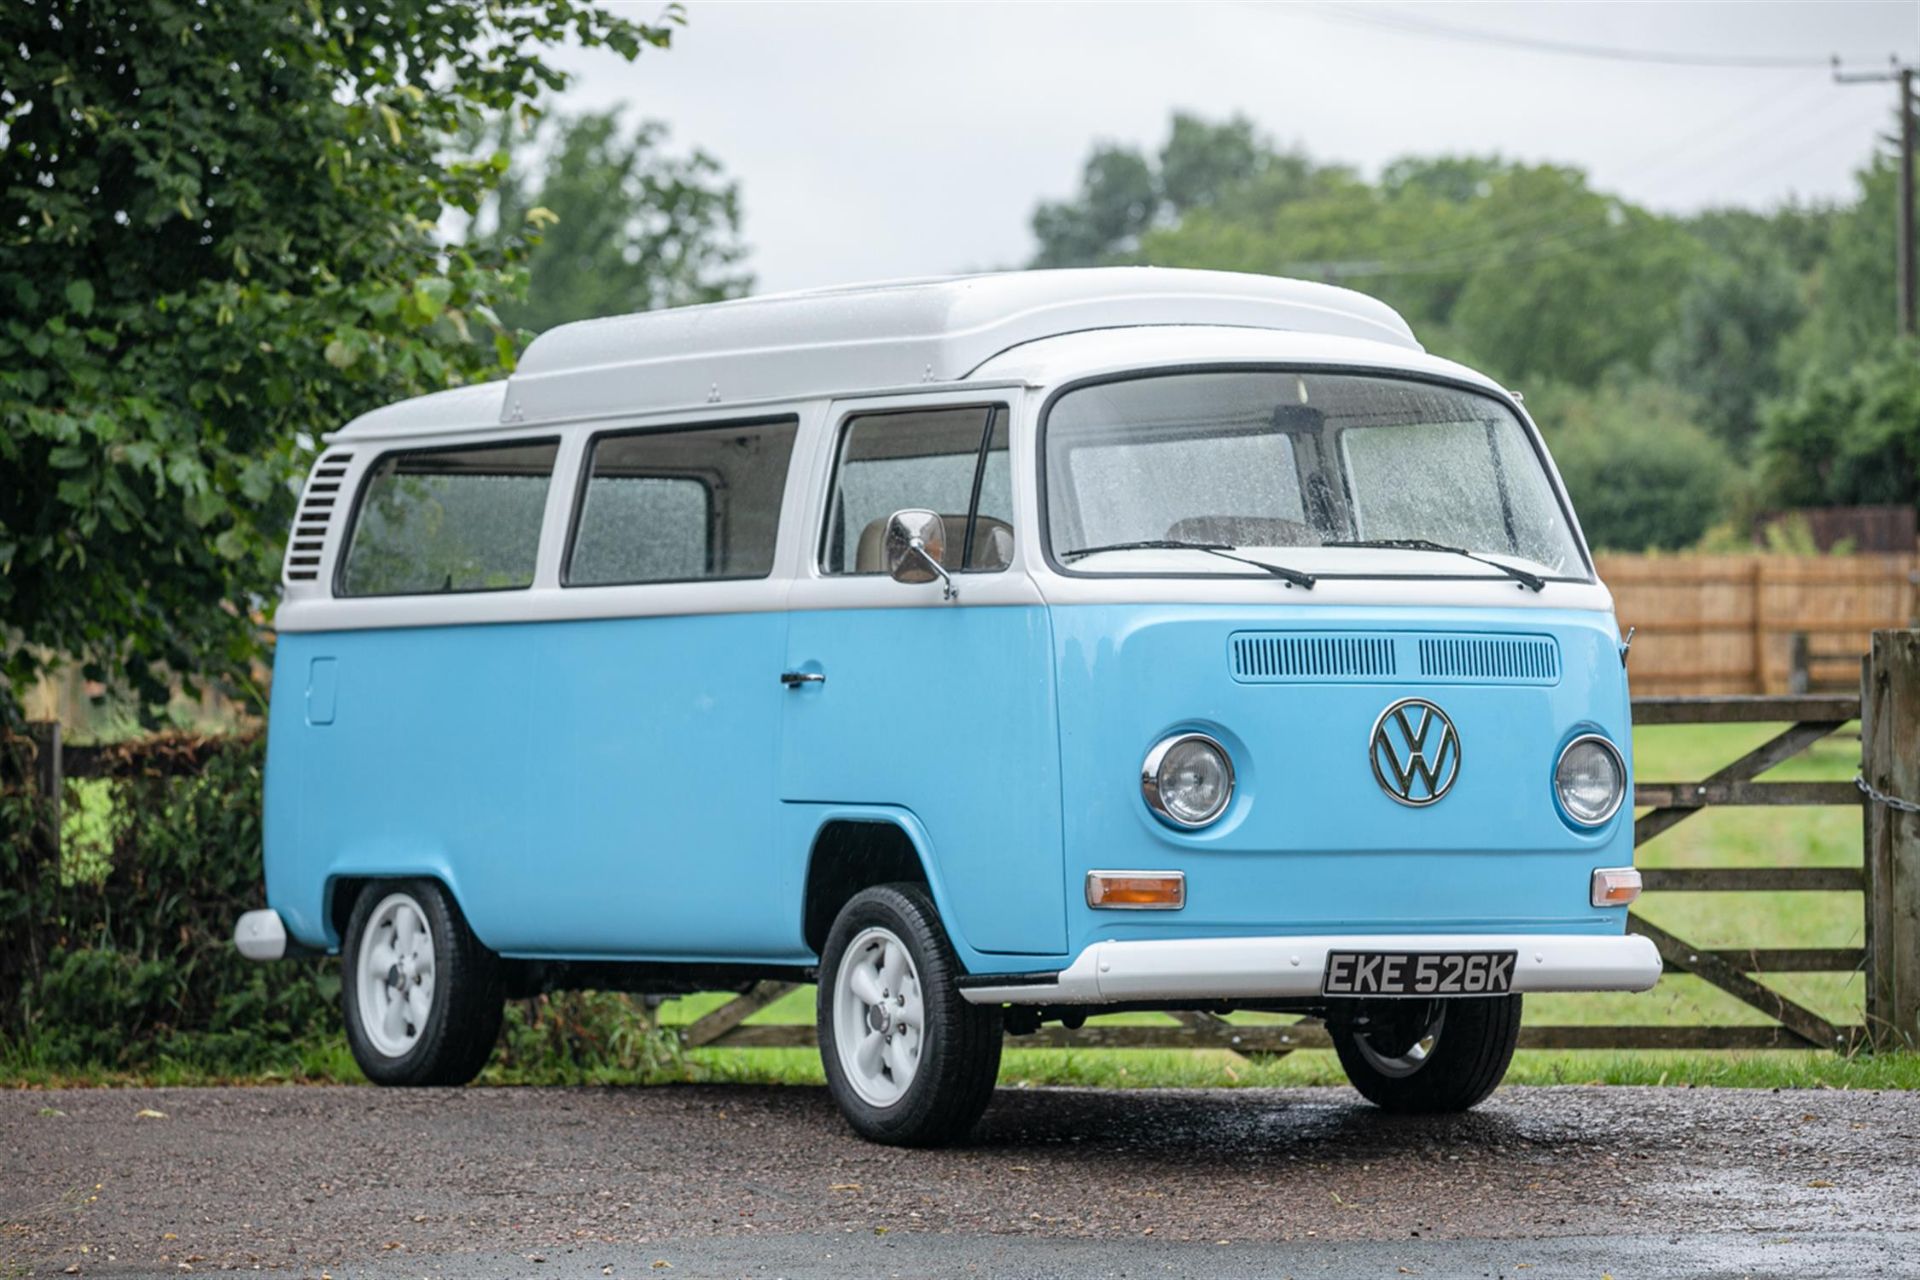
x: 1615, y: 886
x: 1137, y: 890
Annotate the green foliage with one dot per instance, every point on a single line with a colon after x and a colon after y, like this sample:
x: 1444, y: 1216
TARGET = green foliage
x: 627, y: 227
x: 1850, y: 288
x: 579, y: 1037
x: 1732, y: 317
x: 1641, y: 474
x: 1523, y: 269
x: 217, y: 240
x: 131, y: 963
x: 1123, y: 194
x: 1783, y: 318
x: 1847, y: 438
x: 1116, y: 202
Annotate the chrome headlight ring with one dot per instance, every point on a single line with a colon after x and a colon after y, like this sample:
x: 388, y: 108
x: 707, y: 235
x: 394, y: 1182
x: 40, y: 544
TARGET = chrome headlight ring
x: 1187, y: 780
x: 1581, y: 812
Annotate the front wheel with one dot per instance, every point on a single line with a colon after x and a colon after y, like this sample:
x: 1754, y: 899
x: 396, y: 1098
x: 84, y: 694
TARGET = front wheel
x: 1428, y: 1056
x: 908, y: 1060
x: 422, y: 997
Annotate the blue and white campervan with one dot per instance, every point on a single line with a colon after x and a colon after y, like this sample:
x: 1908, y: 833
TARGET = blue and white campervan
x: 993, y: 650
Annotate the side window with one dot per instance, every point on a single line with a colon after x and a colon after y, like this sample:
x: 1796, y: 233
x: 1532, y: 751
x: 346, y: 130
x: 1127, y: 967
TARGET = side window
x: 681, y: 505
x: 951, y: 461
x: 442, y: 520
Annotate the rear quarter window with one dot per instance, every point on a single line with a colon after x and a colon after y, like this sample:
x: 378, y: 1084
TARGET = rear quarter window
x: 435, y: 521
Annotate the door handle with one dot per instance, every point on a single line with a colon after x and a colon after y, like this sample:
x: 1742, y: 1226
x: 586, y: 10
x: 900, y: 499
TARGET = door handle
x: 794, y: 679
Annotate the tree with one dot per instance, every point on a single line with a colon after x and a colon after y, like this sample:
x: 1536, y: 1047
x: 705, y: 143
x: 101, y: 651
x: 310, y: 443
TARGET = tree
x: 1123, y: 194
x: 1850, y: 289
x: 1202, y: 162
x: 1567, y: 283
x: 1730, y: 320
x: 1641, y: 474
x: 627, y: 227
x: 1847, y: 438
x: 1117, y: 201
x: 217, y: 240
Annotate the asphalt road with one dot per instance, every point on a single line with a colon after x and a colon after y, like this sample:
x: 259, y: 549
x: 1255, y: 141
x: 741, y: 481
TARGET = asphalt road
x: 765, y: 1182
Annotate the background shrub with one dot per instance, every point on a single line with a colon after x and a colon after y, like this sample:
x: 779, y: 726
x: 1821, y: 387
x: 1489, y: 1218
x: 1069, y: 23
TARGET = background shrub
x: 123, y: 959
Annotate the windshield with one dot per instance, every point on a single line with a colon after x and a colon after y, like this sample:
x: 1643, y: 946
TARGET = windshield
x: 1298, y: 463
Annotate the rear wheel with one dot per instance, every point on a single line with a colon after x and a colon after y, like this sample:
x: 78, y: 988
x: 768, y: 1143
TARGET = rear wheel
x: 422, y: 998
x: 908, y: 1060
x: 1428, y: 1056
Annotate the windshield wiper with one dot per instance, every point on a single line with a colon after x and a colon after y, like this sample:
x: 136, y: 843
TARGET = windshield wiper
x: 1525, y: 579
x: 1292, y: 577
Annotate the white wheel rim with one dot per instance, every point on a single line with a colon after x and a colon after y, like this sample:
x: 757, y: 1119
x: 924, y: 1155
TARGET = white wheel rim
x: 395, y: 973
x: 879, y: 1017
x: 1414, y: 1057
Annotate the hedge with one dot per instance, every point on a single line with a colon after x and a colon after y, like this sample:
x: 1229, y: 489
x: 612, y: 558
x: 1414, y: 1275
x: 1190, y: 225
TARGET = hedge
x: 116, y: 949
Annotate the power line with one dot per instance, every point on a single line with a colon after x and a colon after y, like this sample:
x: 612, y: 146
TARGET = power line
x: 1409, y: 24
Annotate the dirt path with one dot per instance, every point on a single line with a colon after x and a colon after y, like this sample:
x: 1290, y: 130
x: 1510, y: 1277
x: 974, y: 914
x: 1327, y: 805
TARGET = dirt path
x: 752, y: 1180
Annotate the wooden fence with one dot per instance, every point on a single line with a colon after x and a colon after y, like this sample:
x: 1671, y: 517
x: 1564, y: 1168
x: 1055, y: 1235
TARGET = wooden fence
x: 1728, y: 624
x: 1888, y: 877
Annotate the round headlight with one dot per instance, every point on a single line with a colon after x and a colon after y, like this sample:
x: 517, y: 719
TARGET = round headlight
x: 1591, y: 780
x: 1187, y: 779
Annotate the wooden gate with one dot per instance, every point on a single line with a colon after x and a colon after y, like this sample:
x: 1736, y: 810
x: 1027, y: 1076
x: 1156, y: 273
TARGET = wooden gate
x: 1889, y: 877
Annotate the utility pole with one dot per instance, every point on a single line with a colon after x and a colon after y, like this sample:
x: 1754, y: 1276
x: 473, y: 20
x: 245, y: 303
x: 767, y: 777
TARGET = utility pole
x: 1901, y: 74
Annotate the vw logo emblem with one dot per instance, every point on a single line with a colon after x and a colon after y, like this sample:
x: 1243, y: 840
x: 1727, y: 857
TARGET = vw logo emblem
x: 1415, y: 752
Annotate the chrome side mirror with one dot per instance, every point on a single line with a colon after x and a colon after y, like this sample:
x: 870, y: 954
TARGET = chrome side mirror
x: 915, y: 542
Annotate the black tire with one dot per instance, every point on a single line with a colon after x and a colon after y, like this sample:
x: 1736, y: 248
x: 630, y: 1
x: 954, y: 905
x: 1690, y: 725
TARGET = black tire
x: 463, y: 1015
x: 1472, y: 1046
x: 958, y: 1052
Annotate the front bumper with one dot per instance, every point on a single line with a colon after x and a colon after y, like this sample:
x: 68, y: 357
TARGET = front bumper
x: 1291, y: 968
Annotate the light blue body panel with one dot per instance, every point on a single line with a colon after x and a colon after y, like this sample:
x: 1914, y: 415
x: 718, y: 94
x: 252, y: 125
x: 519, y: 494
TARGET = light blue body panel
x: 590, y: 788
x: 949, y: 714
x: 646, y: 789
x: 1310, y: 842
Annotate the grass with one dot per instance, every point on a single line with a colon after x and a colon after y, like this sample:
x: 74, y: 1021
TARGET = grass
x: 1716, y: 838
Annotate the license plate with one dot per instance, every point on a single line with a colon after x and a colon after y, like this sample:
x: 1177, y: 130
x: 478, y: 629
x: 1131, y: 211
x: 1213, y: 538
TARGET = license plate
x: 1418, y: 973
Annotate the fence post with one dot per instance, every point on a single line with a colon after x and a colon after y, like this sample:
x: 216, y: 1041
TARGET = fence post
x: 51, y: 774
x: 1798, y: 679
x: 1890, y: 763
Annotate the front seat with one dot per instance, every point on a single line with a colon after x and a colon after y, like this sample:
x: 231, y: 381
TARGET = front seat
x: 992, y: 545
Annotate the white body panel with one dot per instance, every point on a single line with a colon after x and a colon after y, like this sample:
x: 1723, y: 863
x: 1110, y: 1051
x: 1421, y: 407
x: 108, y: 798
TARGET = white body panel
x: 1292, y: 968
x: 1027, y: 334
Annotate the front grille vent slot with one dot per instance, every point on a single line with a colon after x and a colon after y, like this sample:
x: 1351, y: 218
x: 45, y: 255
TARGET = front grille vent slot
x: 1312, y: 657
x: 318, y: 503
x: 1519, y: 659
x: 1391, y: 657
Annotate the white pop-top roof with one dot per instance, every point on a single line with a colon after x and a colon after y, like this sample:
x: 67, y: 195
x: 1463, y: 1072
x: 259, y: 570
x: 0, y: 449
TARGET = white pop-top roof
x: 865, y: 338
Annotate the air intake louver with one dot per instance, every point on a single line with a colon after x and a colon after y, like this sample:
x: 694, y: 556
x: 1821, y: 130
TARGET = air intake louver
x: 1312, y: 657
x: 1320, y: 657
x: 317, y: 506
x: 1523, y: 659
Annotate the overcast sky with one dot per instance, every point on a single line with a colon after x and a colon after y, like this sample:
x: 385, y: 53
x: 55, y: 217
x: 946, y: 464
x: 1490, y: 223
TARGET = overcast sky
x: 884, y: 140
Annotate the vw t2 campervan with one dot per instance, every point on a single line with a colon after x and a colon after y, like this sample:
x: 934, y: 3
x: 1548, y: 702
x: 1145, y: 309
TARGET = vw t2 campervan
x: 991, y: 650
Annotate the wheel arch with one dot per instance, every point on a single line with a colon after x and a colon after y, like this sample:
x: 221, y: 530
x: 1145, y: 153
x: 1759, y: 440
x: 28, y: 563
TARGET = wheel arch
x: 343, y: 888
x: 855, y: 850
